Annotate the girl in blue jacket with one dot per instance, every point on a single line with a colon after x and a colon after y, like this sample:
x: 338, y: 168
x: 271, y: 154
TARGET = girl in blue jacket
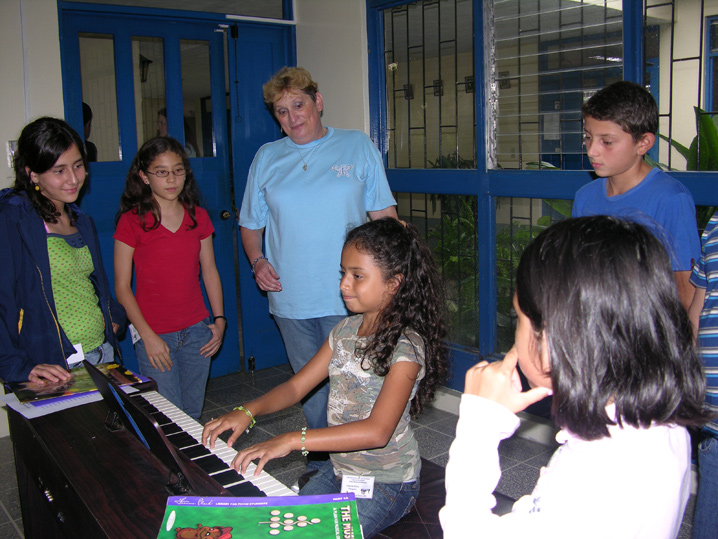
x: 56, y: 306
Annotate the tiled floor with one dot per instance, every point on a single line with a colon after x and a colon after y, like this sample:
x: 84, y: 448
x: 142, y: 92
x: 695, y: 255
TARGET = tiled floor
x: 521, y: 459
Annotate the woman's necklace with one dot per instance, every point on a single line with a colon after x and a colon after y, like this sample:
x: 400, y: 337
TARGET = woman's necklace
x: 311, y: 153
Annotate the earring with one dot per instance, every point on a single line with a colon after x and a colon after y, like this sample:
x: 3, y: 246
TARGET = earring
x: 37, y: 187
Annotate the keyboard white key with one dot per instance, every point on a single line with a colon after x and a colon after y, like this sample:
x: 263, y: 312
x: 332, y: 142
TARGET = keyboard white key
x: 264, y: 481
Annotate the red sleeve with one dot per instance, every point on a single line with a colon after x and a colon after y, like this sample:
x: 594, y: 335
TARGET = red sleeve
x: 125, y: 231
x: 204, y: 224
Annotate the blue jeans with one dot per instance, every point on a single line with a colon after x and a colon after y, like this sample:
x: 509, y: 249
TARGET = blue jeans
x: 391, y: 501
x: 102, y: 354
x: 302, y: 339
x: 705, y: 521
x: 183, y: 384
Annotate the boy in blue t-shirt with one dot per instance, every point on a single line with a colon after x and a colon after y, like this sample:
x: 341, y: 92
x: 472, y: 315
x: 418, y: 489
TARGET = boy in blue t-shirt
x: 620, y: 125
x: 704, y: 317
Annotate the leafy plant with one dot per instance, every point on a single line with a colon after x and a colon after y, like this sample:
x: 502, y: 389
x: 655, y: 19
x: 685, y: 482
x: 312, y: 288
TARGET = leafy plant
x: 510, y: 244
x: 455, y: 240
x: 700, y: 155
x: 456, y: 251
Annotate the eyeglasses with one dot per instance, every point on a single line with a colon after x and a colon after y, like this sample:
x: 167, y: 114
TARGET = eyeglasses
x: 179, y: 171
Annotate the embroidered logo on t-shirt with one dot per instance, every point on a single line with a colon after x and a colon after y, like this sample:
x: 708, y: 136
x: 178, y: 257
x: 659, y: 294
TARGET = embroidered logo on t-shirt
x: 342, y: 170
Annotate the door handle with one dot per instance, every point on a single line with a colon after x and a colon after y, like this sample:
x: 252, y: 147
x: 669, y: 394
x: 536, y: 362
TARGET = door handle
x: 224, y: 215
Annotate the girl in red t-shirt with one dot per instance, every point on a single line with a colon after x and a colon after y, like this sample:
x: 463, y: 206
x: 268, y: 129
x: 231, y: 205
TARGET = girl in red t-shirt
x: 168, y: 237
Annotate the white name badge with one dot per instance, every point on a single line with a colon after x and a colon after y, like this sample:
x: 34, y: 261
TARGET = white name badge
x: 75, y: 359
x: 361, y: 485
x: 133, y: 333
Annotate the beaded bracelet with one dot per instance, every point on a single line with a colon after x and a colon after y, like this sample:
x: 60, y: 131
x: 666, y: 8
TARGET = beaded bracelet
x: 257, y: 260
x: 249, y: 414
x: 304, y: 435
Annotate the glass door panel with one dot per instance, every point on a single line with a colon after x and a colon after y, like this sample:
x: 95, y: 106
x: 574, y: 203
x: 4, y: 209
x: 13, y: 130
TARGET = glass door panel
x: 97, y: 72
x: 148, y: 67
x: 196, y: 98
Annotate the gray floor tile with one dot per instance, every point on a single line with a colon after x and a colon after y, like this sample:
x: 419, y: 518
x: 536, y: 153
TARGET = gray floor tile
x: 517, y: 481
x: 11, y: 502
x: 432, y: 415
x: 232, y: 396
x: 521, y: 449
x: 541, y: 460
x: 506, y: 462
x: 443, y: 422
x: 9, y: 530
x: 690, y: 510
x: 432, y: 443
x: 6, y: 452
x: 441, y: 460
x: 7, y: 470
x: 265, y: 384
x: 283, y: 423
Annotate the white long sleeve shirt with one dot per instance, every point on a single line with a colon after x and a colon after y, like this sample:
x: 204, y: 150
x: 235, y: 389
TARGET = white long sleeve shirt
x: 634, y: 483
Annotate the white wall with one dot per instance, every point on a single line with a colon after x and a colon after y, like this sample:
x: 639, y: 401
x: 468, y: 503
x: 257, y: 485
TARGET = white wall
x: 31, y: 80
x: 332, y: 45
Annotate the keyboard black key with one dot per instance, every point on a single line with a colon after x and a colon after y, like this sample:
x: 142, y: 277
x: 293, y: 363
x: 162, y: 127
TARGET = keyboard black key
x: 246, y: 490
x: 143, y: 403
x: 182, y: 439
x: 228, y: 477
x: 172, y: 428
x: 161, y: 418
x: 210, y: 463
x: 195, y: 451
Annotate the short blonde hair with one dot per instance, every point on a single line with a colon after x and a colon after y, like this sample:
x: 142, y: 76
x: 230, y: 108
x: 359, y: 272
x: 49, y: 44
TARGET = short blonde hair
x: 287, y: 79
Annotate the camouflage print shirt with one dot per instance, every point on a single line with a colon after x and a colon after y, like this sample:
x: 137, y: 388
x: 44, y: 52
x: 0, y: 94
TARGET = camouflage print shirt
x: 352, y: 394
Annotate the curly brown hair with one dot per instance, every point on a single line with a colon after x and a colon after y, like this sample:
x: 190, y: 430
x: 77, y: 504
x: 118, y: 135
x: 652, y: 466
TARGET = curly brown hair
x: 418, y: 303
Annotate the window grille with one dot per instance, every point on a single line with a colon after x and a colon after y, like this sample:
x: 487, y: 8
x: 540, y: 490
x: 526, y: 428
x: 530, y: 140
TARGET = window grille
x: 449, y: 225
x: 429, y: 61
x: 677, y: 66
x: 518, y: 221
x: 547, y: 57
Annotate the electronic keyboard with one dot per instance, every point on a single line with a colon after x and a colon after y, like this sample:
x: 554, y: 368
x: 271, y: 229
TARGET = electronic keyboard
x: 186, y: 434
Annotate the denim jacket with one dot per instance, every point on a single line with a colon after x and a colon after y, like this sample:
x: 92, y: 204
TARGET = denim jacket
x: 30, y: 333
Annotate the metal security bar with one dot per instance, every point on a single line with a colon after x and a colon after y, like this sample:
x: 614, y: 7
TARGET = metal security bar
x: 675, y: 71
x: 549, y: 55
x: 430, y: 85
x: 449, y: 225
x: 518, y: 221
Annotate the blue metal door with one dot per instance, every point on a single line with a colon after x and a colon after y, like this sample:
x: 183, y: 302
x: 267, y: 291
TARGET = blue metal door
x: 137, y: 73
x: 255, y: 55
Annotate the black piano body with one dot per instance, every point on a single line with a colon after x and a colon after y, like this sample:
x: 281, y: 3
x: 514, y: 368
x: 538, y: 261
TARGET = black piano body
x: 78, y: 479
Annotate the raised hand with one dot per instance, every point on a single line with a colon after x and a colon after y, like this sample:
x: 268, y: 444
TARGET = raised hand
x: 499, y: 381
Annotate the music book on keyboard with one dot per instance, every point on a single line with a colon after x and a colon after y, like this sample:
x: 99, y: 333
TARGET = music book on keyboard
x: 79, y: 382
x: 330, y: 516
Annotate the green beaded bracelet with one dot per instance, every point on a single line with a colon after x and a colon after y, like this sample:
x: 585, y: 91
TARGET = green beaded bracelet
x: 304, y: 435
x: 249, y: 414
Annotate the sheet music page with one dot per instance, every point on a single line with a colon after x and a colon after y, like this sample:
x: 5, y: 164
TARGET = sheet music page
x: 49, y: 406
